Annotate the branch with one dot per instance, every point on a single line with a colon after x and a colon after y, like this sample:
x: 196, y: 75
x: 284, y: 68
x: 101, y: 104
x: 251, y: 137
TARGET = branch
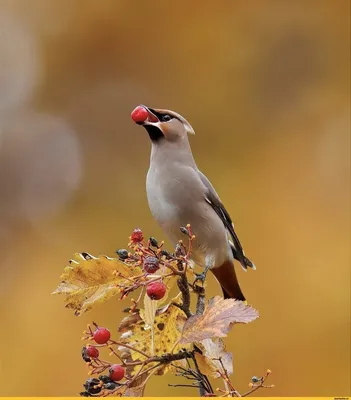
x: 200, y: 305
x: 205, y: 386
x: 169, y: 357
x: 183, y: 286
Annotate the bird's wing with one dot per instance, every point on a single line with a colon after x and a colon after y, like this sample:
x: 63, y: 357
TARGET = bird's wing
x: 213, y: 199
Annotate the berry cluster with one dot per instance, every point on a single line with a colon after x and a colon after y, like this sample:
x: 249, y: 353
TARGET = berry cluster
x: 104, y: 384
x: 150, y: 269
x: 156, y: 264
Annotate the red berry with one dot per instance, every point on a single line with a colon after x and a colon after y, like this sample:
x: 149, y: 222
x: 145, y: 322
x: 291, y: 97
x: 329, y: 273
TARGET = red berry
x: 137, y: 236
x: 156, y: 290
x: 101, y: 335
x: 92, y: 352
x: 116, y: 372
x: 139, y: 114
x: 151, y: 264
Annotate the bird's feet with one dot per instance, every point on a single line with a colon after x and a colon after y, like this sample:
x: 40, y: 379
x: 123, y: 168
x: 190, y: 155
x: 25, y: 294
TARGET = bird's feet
x: 201, y: 277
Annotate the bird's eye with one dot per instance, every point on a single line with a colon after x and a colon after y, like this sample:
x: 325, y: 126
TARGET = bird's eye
x: 166, y: 118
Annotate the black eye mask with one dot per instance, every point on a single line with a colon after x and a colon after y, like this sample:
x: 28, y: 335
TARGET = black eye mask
x: 162, y: 117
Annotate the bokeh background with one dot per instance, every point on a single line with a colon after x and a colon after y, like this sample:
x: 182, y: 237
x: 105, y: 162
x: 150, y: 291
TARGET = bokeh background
x: 265, y: 84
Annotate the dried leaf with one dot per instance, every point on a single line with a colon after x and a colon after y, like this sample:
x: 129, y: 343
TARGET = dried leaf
x: 90, y: 280
x: 212, y: 350
x: 135, y: 391
x: 216, y: 320
x: 168, y: 325
x: 137, y: 387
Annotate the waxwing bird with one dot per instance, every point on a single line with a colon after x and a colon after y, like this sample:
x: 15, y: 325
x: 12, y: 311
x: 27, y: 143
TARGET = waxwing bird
x: 178, y: 194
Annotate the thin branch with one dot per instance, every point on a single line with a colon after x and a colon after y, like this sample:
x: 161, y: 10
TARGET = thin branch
x: 259, y: 385
x: 200, y: 305
x: 183, y: 385
x: 205, y: 386
x: 183, y: 286
x: 129, y: 347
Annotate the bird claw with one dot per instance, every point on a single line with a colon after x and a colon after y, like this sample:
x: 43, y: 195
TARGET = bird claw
x: 200, y: 277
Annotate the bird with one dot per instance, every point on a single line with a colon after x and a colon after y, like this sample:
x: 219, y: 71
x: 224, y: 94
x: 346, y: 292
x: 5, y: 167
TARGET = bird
x: 179, y: 193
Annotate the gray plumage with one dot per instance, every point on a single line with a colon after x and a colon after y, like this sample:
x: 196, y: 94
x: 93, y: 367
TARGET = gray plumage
x: 178, y: 194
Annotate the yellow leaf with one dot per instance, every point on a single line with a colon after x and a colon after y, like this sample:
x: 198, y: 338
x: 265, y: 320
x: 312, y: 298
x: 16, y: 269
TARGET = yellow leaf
x: 216, y: 320
x: 149, y: 312
x: 90, y: 280
x: 148, y: 315
x: 212, y: 350
x: 168, y: 325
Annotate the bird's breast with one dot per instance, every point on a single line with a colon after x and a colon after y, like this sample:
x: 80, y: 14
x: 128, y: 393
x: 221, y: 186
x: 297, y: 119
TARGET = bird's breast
x: 176, y: 198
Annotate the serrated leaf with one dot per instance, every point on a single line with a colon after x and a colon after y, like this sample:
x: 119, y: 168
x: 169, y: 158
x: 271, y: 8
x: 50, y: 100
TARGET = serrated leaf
x: 168, y: 325
x: 212, y: 350
x: 216, y: 320
x: 90, y: 280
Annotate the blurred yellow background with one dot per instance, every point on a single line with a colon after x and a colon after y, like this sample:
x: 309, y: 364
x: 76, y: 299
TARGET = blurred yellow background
x: 265, y: 84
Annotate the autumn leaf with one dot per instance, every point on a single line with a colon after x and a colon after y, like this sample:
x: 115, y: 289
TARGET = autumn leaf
x: 168, y: 324
x: 90, y: 280
x: 212, y: 351
x: 149, y: 312
x: 216, y: 320
x: 148, y: 315
x: 137, y: 387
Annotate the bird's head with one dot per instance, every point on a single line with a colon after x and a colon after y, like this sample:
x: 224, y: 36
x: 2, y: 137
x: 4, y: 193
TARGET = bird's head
x: 162, y: 124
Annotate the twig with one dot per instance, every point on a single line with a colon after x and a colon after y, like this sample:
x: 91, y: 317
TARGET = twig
x: 205, y: 386
x: 200, y: 305
x: 128, y: 347
x: 259, y: 385
x: 183, y: 385
x: 183, y: 286
x: 168, y: 357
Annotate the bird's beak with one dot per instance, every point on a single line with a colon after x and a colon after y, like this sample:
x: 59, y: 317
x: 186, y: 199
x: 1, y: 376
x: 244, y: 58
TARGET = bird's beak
x: 143, y: 115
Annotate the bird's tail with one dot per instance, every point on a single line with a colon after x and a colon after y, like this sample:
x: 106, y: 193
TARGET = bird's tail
x: 239, y: 255
x: 226, y: 276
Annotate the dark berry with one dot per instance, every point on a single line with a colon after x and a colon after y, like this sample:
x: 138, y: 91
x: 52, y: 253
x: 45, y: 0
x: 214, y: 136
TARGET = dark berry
x: 137, y: 236
x: 184, y: 230
x: 151, y: 265
x: 153, y: 242
x: 101, y: 335
x: 105, y: 378
x: 166, y: 254
x: 116, y: 372
x: 254, y: 379
x: 92, y: 352
x: 122, y: 254
x: 111, y: 385
x: 85, y: 356
x: 156, y: 290
x: 91, y: 386
x: 180, y: 250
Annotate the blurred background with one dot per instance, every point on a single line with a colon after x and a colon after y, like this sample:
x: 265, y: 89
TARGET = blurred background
x: 265, y: 84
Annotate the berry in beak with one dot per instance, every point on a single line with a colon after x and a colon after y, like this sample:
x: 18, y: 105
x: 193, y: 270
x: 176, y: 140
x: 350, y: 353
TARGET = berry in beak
x: 142, y: 114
